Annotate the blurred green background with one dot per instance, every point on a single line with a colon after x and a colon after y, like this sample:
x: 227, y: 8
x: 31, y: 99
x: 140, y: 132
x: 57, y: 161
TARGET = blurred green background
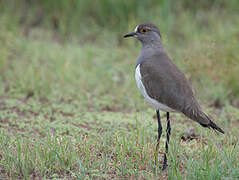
x: 67, y: 80
x: 200, y: 36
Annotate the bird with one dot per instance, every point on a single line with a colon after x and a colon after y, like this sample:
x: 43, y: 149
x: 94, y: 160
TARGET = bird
x: 163, y: 85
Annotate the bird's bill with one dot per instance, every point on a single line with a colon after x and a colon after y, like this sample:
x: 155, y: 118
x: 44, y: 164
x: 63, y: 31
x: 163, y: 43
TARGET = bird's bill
x: 132, y: 34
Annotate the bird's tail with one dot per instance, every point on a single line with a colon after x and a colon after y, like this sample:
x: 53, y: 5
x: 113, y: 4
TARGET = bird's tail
x: 199, y: 116
x: 211, y: 124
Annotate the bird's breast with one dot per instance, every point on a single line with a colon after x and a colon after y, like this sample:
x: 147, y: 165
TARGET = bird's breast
x: 157, y: 105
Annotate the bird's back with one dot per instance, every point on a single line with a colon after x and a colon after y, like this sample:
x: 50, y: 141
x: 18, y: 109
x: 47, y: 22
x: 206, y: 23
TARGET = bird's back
x: 165, y: 83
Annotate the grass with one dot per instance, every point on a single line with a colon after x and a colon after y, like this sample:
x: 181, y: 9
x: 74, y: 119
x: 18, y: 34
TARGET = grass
x: 70, y: 109
x: 59, y: 140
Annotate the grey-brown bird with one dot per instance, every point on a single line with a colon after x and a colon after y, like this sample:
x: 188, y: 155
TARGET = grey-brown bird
x: 162, y: 84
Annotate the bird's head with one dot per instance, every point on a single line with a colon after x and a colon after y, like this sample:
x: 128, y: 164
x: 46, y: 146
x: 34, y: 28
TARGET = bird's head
x: 146, y: 33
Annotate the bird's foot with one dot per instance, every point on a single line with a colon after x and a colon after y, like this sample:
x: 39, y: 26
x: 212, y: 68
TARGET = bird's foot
x: 165, y: 162
x: 157, y: 152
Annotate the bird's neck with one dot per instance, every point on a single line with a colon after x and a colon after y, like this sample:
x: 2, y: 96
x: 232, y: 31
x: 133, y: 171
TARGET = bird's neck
x: 153, y: 44
x: 148, y: 51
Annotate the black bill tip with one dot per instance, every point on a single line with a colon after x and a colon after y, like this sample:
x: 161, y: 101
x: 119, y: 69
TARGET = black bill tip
x: 130, y: 34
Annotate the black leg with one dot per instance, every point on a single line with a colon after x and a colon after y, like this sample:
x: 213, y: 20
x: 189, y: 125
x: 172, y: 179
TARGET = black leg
x: 159, y: 128
x: 159, y: 136
x: 167, y: 142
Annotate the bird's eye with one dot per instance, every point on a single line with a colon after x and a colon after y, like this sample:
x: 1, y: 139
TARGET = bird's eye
x: 144, y: 30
